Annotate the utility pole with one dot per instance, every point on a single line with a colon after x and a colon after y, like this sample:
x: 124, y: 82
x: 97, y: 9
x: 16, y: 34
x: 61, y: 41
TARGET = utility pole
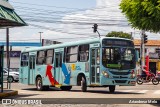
x: 7, y: 52
x: 132, y: 36
x: 1, y: 66
x: 40, y: 37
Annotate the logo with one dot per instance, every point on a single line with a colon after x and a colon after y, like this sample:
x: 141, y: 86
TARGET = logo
x: 6, y: 101
x: 73, y: 67
x: 14, y: 101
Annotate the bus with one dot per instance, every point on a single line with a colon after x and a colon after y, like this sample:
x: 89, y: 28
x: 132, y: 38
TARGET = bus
x: 94, y: 62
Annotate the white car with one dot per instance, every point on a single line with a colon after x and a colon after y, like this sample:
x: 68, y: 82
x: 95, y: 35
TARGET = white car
x: 13, y: 76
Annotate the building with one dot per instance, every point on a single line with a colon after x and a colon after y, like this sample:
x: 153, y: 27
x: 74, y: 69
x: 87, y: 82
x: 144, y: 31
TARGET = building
x: 154, y: 53
x: 15, y: 51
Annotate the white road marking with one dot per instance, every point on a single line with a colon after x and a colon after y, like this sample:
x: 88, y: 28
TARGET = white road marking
x: 142, y: 91
x: 157, y: 92
x: 126, y: 90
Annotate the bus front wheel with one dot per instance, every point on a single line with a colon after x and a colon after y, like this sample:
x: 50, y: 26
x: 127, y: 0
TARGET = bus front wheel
x: 112, y: 88
x: 83, y: 85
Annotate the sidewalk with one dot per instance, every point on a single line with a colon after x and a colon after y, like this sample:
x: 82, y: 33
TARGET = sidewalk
x: 7, y: 93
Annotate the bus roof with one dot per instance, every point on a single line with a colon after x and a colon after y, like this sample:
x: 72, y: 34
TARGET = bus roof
x: 65, y: 44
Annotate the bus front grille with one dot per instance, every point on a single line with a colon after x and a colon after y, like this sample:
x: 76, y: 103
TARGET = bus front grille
x: 120, y: 73
x: 120, y: 81
x: 119, y: 77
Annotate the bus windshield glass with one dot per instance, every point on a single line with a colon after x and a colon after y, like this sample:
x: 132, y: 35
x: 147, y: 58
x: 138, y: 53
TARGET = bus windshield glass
x: 118, y: 57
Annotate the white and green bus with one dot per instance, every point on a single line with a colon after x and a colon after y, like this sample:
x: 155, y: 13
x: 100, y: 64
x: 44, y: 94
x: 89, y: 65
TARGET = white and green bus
x: 95, y: 62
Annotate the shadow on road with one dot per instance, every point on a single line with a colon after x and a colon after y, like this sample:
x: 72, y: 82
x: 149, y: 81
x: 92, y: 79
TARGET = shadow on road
x: 50, y: 89
x: 88, y: 91
x: 105, y: 92
x: 22, y: 96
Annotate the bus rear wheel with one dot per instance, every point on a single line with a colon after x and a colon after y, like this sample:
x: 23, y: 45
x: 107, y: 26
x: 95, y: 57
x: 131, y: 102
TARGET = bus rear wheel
x: 66, y: 88
x: 112, y: 88
x: 83, y: 85
x: 39, y: 84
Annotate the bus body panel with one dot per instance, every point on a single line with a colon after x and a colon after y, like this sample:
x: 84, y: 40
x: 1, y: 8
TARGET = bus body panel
x: 41, y: 70
x: 94, y: 64
x: 31, y: 70
x: 75, y: 69
x: 117, y: 77
x: 23, y: 75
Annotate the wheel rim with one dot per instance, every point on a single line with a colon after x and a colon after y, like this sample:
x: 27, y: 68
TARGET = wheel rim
x: 139, y: 80
x: 10, y: 79
x: 39, y: 84
x: 83, y: 84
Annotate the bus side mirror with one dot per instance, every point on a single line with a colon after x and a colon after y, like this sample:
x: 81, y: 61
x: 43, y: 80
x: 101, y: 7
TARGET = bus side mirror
x: 137, y: 56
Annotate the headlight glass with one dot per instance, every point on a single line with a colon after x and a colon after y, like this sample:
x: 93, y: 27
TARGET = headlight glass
x: 105, y: 74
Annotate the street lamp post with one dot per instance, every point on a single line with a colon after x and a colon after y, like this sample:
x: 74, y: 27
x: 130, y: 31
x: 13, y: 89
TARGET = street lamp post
x: 40, y: 37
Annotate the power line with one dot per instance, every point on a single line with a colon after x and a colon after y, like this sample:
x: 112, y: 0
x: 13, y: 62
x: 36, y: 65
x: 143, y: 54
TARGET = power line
x: 65, y: 7
x: 60, y: 31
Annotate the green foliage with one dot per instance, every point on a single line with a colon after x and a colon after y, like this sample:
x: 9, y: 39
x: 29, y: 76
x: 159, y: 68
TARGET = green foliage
x: 119, y: 34
x: 142, y: 14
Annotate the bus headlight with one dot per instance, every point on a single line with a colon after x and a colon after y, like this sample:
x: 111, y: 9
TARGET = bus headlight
x: 133, y: 75
x: 105, y: 74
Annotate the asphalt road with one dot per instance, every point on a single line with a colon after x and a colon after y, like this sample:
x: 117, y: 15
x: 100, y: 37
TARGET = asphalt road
x: 147, y: 90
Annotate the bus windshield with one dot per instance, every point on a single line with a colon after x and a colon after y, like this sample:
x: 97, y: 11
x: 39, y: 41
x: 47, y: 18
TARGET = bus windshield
x: 118, y: 57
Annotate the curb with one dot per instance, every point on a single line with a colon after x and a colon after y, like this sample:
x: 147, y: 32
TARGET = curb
x: 8, y: 93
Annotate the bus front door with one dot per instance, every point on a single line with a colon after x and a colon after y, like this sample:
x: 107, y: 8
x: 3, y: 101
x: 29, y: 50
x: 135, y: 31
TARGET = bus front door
x: 58, y: 66
x: 95, y: 69
x: 31, y: 69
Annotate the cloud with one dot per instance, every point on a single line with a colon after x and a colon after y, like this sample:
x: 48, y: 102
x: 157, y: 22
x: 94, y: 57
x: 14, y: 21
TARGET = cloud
x: 78, y: 25
x: 106, y: 12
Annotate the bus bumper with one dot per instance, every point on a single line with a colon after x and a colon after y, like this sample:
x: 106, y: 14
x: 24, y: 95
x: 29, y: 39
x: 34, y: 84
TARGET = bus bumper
x: 121, y: 82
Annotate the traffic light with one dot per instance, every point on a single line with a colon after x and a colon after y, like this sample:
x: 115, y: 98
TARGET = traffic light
x: 145, y: 38
x: 95, y: 26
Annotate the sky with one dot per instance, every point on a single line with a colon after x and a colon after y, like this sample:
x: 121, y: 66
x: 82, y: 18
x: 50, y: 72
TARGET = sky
x: 68, y: 20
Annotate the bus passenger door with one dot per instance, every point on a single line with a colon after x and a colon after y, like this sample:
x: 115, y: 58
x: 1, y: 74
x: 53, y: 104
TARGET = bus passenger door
x: 58, y: 66
x: 95, y: 68
x: 31, y: 69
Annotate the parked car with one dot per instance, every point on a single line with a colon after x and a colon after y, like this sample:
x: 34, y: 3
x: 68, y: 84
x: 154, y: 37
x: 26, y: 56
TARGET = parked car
x: 13, y: 76
x: 15, y: 69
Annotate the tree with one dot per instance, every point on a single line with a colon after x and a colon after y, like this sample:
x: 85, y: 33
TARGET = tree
x: 119, y: 34
x: 142, y: 14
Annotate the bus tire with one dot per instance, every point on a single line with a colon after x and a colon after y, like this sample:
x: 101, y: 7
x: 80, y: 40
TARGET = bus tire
x: 83, y: 85
x: 66, y: 88
x: 39, y: 84
x: 112, y: 88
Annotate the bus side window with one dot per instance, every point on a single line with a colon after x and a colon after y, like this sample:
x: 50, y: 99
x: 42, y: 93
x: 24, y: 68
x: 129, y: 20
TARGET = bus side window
x: 98, y: 56
x: 72, y: 54
x: 59, y: 60
x: 83, y: 54
x: 24, y: 59
x: 41, y: 57
x: 57, y: 65
x: 64, y: 54
x: 49, y: 56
